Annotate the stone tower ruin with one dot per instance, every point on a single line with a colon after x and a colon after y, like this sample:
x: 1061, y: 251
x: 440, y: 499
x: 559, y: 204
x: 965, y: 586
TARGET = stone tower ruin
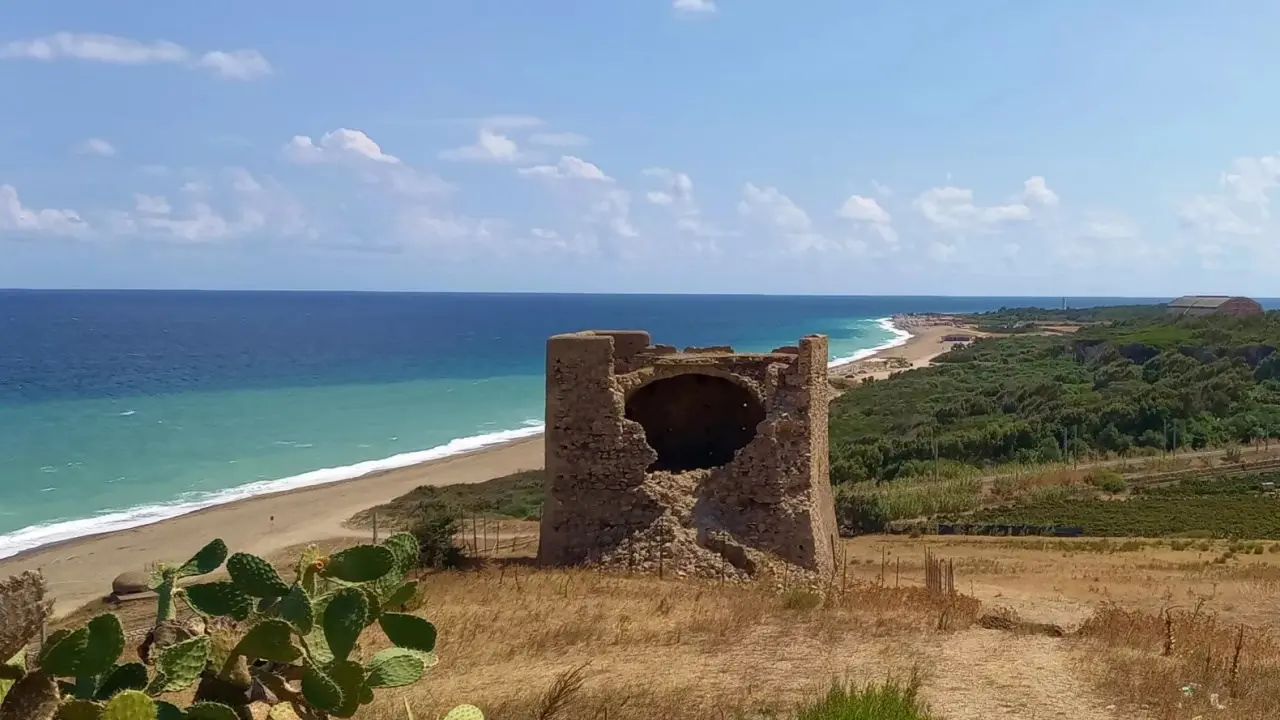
x: 704, y: 462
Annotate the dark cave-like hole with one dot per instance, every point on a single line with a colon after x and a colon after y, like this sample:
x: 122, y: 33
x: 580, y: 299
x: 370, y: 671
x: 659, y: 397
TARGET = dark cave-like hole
x: 694, y: 421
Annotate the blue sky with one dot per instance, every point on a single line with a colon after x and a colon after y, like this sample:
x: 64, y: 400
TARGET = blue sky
x: 823, y: 146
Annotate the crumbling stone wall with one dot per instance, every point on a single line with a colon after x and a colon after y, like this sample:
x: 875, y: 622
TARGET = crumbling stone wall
x: 705, y: 462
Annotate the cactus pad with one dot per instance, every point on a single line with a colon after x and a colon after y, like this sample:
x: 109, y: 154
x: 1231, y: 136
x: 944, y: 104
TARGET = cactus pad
x: 406, y: 549
x: 168, y: 711
x: 211, y: 711
x: 465, y: 712
x: 270, y: 640
x: 409, y: 631
x: 295, y: 608
x: 34, y: 697
x: 349, y: 677
x: 395, y: 667
x: 255, y: 576
x: 361, y: 563
x: 179, y: 665
x: 344, y: 618
x: 319, y: 690
x: 62, y: 650
x: 206, y: 560
x: 220, y: 598
x: 79, y: 710
x: 12, y: 672
x: 130, y: 705
x: 130, y: 676
x: 104, y: 646
x: 401, y: 596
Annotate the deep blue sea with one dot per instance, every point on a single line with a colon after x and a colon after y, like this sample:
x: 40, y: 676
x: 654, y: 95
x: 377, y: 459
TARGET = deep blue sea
x: 119, y: 408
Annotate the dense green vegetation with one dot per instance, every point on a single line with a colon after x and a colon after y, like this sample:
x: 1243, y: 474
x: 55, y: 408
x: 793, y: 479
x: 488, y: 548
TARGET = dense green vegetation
x: 1127, y: 386
x: 518, y: 495
x: 1006, y: 318
x: 1232, y: 507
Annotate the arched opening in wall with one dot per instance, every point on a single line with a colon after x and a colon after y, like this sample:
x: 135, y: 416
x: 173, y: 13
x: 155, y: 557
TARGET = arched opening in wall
x: 695, y: 421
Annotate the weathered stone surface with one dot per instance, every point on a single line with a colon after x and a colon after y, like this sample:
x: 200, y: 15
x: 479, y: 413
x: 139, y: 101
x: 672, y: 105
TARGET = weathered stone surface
x: 130, y: 583
x: 703, y: 463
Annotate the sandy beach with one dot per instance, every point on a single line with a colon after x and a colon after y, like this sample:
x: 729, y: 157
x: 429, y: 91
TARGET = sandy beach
x: 931, y: 336
x: 81, y: 570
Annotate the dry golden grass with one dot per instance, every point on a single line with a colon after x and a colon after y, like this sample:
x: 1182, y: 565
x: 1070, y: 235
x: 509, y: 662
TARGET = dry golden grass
x: 525, y: 643
x: 520, y: 642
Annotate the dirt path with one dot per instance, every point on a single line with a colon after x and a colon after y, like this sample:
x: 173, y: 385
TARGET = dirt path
x: 991, y: 675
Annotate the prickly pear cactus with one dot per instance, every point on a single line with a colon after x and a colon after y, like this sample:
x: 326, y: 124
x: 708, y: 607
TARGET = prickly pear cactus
x: 130, y: 705
x: 465, y: 712
x: 256, y: 641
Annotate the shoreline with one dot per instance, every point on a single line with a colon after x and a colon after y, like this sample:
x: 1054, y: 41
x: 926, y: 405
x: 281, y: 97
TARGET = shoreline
x: 923, y: 338
x: 80, y: 569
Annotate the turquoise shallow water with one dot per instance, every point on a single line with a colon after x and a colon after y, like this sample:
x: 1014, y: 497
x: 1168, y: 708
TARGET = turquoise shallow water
x: 121, y: 409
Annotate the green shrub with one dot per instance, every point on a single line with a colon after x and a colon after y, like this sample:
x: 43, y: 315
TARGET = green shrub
x: 1107, y: 481
x: 887, y: 701
x: 435, y: 526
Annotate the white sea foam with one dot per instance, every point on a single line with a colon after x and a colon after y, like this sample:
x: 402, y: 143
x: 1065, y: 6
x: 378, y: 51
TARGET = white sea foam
x: 900, y: 338
x: 33, y: 537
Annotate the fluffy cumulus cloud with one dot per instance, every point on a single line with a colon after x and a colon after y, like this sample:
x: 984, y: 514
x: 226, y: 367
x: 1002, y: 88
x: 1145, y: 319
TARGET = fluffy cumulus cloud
x: 780, y: 216
x: 341, y: 145
x: 675, y: 195
x: 90, y: 47
x: 1235, y: 220
x: 569, y: 167
x: 490, y: 147
x: 22, y: 220
x: 868, y: 211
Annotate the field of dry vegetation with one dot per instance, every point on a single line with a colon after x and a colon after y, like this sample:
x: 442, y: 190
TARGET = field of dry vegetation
x: 1039, y: 629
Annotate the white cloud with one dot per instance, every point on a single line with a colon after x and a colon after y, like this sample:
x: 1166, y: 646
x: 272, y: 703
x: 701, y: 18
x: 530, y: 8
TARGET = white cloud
x: 152, y: 204
x: 772, y: 207
x: 237, y: 205
x: 1035, y: 191
x: 867, y: 210
x: 676, y: 196
x: 490, y: 147
x: 93, y: 47
x: 237, y: 64
x: 864, y: 209
x: 705, y: 7
x: 781, y: 215
x: 96, y: 146
x: 14, y: 216
x: 561, y: 139
x: 952, y: 209
x: 243, y: 182
x: 1215, y: 215
x: 340, y: 145
x: 676, y: 193
x: 568, y: 168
